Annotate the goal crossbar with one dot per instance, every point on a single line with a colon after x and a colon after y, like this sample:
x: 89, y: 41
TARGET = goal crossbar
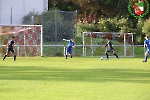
x: 126, y: 38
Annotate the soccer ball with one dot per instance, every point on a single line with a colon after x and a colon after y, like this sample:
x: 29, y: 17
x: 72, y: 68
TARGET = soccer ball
x: 101, y: 58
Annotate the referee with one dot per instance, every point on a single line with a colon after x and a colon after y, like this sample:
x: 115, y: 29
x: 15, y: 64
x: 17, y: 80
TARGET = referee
x: 10, y: 48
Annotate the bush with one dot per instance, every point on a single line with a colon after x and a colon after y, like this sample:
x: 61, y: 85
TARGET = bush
x: 31, y: 19
x: 115, y: 25
x: 146, y: 27
x: 138, y: 35
x: 85, y: 27
x: 108, y: 25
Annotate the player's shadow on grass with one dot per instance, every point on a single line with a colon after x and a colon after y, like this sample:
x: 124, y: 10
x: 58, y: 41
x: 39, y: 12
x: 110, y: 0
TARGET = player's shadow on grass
x: 81, y: 75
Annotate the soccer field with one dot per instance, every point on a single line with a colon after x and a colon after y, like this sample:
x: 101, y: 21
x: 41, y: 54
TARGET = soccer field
x: 57, y: 78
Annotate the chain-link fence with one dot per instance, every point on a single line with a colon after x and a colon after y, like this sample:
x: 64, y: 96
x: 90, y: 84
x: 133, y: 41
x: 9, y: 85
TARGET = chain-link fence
x: 56, y: 26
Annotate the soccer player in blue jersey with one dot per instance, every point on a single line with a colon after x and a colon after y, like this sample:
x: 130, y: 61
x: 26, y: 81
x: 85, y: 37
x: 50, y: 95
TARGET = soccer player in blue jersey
x: 146, y: 44
x: 10, y: 48
x: 110, y: 49
x: 69, y: 47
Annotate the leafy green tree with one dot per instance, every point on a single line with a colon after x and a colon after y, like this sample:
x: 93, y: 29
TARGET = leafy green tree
x: 56, y: 25
x: 108, y: 25
x: 90, y: 10
x: 31, y: 19
x: 64, y: 5
x: 115, y: 25
x: 138, y: 36
x: 84, y: 27
x: 146, y: 27
x: 125, y: 25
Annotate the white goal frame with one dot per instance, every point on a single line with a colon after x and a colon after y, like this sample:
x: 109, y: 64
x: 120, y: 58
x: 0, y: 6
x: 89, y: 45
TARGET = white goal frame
x: 23, y: 30
x: 103, y: 35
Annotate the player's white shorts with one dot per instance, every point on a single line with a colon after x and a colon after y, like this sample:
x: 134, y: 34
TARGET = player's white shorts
x: 148, y: 50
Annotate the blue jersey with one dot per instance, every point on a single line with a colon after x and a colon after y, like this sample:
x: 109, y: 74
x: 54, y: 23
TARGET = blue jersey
x: 70, y: 44
x: 147, y: 43
x: 69, y: 47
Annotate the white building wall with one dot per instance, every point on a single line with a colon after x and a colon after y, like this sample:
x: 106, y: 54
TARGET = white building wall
x: 12, y: 11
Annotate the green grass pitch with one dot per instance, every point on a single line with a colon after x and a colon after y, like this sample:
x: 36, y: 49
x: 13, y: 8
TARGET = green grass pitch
x: 79, y: 78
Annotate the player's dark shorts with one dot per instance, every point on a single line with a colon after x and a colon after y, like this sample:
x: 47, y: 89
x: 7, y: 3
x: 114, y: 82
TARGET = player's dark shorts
x: 148, y: 50
x: 10, y: 50
x: 69, y: 50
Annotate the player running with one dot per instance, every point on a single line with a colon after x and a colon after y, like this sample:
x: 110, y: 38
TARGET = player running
x: 110, y: 49
x: 146, y: 44
x: 69, y: 47
x: 10, y: 48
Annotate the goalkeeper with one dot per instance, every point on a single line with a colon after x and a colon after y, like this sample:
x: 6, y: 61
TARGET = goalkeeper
x: 110, y: 49
x: 69, y: 47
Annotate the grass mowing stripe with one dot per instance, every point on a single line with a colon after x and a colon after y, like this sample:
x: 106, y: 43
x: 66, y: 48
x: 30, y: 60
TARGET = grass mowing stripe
x: 56, y: 78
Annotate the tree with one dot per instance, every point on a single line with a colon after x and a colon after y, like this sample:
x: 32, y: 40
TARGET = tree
x: 138, y: 36
x: 146, y: 27
x: 89, y: 10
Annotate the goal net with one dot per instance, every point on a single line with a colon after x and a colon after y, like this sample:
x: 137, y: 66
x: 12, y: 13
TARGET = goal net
x: 122, y: 43
x: 28, y: 39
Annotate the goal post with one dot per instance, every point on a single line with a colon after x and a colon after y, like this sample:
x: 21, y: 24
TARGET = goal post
x: 28, y: 39
x: 122, y: 42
